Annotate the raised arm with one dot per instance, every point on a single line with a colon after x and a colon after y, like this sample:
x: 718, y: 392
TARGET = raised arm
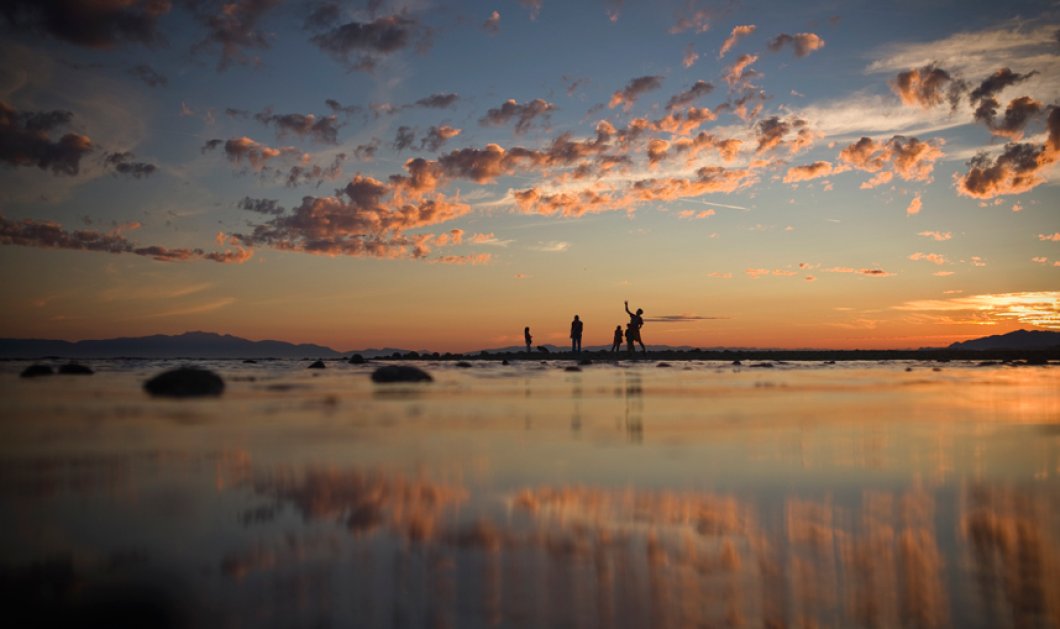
x: 627, y: 309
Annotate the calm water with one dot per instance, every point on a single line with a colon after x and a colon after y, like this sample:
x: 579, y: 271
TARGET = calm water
x: 630, y: 496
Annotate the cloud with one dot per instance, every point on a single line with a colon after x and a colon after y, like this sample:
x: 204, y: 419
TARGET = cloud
x: 366, y: 218
x: 694, y: 215
x: 404, y: 138
x: 533, y: 6
x: 927, y: 87
x: 808, y: 172
x: 934, y: 258
x: 719, y: 275
x: 305, y: 173
x: 473, y: 259
x: 909, y: 158
x: 123, y: 165
x: 737, y: 33
x: 802, y: 43
x: 492, y: 25
x: 91, y: 24
x: 244, y: 148
x: 524, y: 115
x: 566, y: 203
x: 936, y: 236
x: 679, y: 318
x: 25, y: 140
x: 323, y: 129
x: 914, y: 207
x: 740, y: 71
x: 51, y: 235
x: 772, y: 132
x: 360, y: 45
x: 687, y: 97
x: 690, y: 57
x: 366, y: 152
x: 869, y: 272
x: 261, y: 206
x: 1016, y: 170
x: 1040, y: 309
x: 551, y: 246
x: 436, y: 101
x: 633, y: 90
x: 437, y: 136
x: 693, y: 16
x: 707, y: 179
x: 148, y: 75
x: 1039, y: 259
x: 1054, y: 237
x: 232, y: 25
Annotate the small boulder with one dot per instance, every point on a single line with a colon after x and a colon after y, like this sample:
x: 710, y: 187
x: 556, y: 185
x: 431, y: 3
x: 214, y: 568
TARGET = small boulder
x: 663, y: 365
x: 357, y: 359
x: 505, y: 362
x: 400, y: 373
x: 75, y: 369
x: 572, y: 368
x: 185, y: 382
x: 317, y: 365
x: 250, y: 362
x: 37, y: 370
x: 762, y: 366
x: 463, y: 364
x: 736, y: 363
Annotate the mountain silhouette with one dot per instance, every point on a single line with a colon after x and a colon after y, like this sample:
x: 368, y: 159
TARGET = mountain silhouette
x: 1020, y: 339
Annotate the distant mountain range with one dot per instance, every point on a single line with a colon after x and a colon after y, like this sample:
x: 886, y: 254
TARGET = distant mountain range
x: 1020, y: 340
x: 211, y: 345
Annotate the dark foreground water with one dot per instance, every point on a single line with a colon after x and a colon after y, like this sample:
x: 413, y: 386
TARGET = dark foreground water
x: 857, y: 495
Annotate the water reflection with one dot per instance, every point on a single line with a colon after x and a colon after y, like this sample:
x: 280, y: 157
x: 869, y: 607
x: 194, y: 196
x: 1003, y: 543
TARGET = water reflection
x: 634, y: 406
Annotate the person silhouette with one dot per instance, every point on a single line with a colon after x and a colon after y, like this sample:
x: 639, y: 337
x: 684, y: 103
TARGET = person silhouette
x: 629, y: 338
x: 576, y: 335
x: 636, y: 321
x: 616, y: 344
x: 529, y: 340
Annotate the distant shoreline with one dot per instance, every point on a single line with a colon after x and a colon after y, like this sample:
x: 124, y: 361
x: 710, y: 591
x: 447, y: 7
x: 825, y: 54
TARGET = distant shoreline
x: 1033, y: 356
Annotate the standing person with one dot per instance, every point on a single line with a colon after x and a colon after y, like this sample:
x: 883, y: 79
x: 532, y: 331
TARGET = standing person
x: 636, y: 321
x: 616, y: 344
x: 576, y: 335
x: 629, y: 338
x: 527, y: 338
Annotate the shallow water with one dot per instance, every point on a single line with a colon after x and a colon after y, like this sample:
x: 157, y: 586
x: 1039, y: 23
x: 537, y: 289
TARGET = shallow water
x: 627, y: 495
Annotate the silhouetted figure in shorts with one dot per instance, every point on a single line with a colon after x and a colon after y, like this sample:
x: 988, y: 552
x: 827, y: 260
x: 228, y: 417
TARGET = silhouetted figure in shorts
x: 616, y: 344
x: 527, y: 338
x: 636, y: 322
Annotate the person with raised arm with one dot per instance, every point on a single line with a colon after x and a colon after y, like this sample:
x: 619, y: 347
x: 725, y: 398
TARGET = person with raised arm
x: 636, y: 321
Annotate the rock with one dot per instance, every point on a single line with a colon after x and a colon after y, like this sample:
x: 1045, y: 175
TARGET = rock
x: 505, y: 362
x: 317, y: 365
x: 1037, y: 360
x: 357, y: 359
x: 185, y: 382
x: 762, y: 365
x: 663, y: 365
x: 908, y: 368
x: 736, y: 363
x: 37, y: 370
x: 250, y: 362
x: 464, y: 364
x: 75, y: 369
x: 572, y: 368
x: 585, y: 361
x: 543, y: 349
x: 400, y: 373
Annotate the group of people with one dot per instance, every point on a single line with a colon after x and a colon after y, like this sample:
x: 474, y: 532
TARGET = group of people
x: 631, y: 334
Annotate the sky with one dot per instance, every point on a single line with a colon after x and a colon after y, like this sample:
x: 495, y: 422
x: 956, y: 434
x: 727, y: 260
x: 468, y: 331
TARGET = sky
x: 438, y: 175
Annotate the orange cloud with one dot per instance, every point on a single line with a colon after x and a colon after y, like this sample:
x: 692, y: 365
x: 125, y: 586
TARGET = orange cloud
x: 808, y: 172
x: 739, y: 72
x: 927, y: 87
x: 633, y: 90
x: 933, y: 258
x: 1054, y: 237
x: 802, y: 43
x: 937, y: 236
x: 1016, y: 170
x: 737, y: 33
x: 909, y: 158
x: 914, y: 207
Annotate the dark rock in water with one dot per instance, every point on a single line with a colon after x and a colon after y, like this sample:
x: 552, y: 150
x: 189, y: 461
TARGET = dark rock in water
x: 185, y: 382
x: 1037, y: 360
x: 763, y: 365
x: 543, y: 349
x: 829, y: 362
x: 663, y: 365
x: 505, y: 362
x: 75, y: 369
x: 250, y: 362
x: 585, y: 361
x: 400, y: 373
x: 736, y: 363
x: 37, y: 370
x: 936, y: 369
x: 988, y: 363
x: 357, y: 359
x: 908, y: 368
x: 572, y: 368
x: 317, y: 365
x: 464, y: 364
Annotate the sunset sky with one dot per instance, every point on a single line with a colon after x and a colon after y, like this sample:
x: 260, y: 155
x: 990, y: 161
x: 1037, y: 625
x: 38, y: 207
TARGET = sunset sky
x: 439, y: 174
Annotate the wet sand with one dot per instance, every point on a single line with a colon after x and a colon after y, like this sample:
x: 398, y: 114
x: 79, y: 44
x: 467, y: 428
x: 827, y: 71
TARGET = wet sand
x: 629, y: 495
